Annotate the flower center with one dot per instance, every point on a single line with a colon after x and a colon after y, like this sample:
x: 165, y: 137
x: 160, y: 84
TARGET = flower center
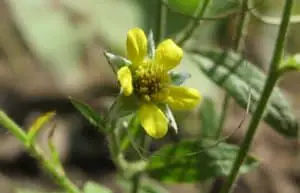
x: 147, y: 84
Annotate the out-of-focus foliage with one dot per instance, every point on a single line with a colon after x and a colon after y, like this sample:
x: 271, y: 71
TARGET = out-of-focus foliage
x: 147, y: 186
x: 187, y: 7
x: 240, y: 78
x: 291, y: 63
x: 50, y: 35
x: 92, y: 187
x: 93, y: 117
x: 33, y: 191
x: 192, y: 161
x: 209, y: 119
x: 58, y: 32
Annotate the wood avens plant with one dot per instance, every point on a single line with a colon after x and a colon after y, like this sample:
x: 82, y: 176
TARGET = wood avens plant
x: 146, y: 76
x: 151, y: 90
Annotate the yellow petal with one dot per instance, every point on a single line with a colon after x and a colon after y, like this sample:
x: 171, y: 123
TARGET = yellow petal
x: 136, y: 45
x: 182, y: 98
x: 125, y: 79
x: 168, y: 55
x: 153, y: 120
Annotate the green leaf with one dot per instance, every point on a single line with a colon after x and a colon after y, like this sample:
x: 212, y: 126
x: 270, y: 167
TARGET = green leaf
x: 238, y: 77
x: 209, y: 119
x: 92, y: 187
x: 37, y: 125
x: 193, y: 161
x: 290, y: 64
x: 92, y: 116
x: 187, y: 7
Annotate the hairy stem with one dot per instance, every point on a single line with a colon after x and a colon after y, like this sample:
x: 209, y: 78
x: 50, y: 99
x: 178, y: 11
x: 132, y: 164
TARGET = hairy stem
x: 272, y: 78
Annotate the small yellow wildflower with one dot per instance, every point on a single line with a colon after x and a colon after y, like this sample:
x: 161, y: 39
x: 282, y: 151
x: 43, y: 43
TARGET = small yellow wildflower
x: 149, y: 80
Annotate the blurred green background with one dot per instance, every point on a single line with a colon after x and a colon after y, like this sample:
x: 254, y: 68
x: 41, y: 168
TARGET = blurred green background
x: 51, y: 49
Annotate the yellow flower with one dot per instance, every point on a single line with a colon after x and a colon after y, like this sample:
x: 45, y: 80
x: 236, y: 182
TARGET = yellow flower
x: 149, y: 79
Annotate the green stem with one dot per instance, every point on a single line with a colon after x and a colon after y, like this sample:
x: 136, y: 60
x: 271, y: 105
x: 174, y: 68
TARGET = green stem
x: 6, y: 122
x: 36, y: 152
x: 161, y: 21
x: 135, y: 183
x: 128, y: 170
x: 237, y: 46
x: 193, y: 25
x: 267, y: 91
x: 115, y: 151
x: 241, y: 27
x: 56, y: 172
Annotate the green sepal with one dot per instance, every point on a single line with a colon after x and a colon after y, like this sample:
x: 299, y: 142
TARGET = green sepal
x: 151, y: 45
x: 171, y: 118
x: 123, y: 106
x: 178, y: 78
x: 116, y: 62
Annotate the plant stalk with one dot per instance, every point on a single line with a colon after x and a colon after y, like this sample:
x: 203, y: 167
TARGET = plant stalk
x: 193, y: 25
x: 223, y: 114
x: 272, y: 78
x: 161, y: 21
x: 36, y: 152
x: 237, y: 46
x: 136, y: 183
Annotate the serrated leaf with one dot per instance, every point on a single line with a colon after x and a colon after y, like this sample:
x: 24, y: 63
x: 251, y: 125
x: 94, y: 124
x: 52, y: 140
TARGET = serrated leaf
x: 92, y: 187
x: 209, y: 119
x: 193, y: 161
x: 91, y: 115
x: 238, y: 77
x: 37, y: 125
